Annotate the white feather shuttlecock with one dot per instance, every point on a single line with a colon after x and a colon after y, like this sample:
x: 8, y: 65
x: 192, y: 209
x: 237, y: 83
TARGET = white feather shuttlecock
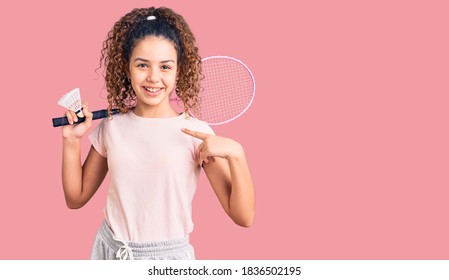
x: 72, y: 101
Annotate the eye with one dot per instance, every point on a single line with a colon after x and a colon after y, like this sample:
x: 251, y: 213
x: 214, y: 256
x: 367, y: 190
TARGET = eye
x: 165, y: 67
x: 142, y: 65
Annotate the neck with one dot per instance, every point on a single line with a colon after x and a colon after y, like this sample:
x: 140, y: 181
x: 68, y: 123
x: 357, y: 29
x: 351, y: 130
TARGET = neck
x: 154, y: 112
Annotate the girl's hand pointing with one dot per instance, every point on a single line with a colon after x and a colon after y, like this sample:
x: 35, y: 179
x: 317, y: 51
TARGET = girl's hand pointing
x: 215, y: 146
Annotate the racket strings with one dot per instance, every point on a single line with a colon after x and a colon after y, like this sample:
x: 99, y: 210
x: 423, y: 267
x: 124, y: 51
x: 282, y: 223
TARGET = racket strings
x: 228, y: 89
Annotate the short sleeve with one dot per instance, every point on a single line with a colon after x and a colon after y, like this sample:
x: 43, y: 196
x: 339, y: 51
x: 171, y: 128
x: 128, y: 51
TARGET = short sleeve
x: 207, y: 129
x: 97, y: 138
x: 202, y: 127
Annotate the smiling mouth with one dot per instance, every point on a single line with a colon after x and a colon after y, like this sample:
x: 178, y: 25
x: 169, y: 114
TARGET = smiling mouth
x: 152, y: 91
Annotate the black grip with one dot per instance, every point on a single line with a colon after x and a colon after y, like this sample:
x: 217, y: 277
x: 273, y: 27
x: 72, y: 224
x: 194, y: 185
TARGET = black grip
x: 100, y: 114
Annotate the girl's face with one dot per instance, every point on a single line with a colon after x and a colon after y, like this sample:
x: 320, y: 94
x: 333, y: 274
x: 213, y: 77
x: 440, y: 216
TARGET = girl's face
x: 152, y: 71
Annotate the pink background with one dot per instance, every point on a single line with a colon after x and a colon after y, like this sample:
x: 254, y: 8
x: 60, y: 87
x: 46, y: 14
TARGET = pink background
x: 347, y: 138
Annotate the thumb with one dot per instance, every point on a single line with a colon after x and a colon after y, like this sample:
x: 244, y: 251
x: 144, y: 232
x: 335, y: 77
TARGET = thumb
x: 87, y: 114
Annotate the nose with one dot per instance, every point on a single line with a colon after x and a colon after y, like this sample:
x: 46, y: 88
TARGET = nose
x: 153, y: 75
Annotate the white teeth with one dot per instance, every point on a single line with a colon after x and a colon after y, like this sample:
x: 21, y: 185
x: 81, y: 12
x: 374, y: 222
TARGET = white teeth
x: 152, y: 89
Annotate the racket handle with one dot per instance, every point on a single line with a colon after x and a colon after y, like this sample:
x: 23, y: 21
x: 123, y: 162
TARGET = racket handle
x: 100, y: 114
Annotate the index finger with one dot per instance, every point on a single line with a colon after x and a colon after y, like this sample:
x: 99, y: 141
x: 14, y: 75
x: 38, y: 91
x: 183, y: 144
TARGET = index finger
x: 195, y: 134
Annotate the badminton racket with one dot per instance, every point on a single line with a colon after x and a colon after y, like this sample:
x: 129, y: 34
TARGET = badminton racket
x: 227, y: 91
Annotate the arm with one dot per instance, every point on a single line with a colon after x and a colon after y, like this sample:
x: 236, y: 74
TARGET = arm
x: 80, y: 182
x: 226, y: 168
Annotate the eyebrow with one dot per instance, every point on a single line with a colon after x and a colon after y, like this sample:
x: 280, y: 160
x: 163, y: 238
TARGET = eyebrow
x: 146, y: 60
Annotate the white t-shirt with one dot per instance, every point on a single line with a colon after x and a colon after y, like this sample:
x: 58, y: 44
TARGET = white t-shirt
x: 154, y: 170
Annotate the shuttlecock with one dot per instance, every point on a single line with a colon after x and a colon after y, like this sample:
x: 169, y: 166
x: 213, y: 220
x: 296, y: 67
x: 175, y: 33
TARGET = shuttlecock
x: 72, y: 101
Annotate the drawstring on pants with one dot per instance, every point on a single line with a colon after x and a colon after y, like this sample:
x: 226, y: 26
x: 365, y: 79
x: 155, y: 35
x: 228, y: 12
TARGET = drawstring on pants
x: 125, y: 251
x: 109, y: 246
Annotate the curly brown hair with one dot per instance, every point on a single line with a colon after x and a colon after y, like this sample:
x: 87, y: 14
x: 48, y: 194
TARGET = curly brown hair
x: 120, y: 42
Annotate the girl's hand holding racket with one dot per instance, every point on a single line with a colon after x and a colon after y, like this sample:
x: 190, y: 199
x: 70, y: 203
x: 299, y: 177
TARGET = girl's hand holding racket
x: 215, y: 146
x: 78, y: 130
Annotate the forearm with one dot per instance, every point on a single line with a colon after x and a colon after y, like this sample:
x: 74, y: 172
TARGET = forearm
x: 228, y: 174
x: 72, y: 172
x: 242, y: 197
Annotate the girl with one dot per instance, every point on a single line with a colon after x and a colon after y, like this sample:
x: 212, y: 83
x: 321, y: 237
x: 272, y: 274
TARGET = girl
x: 153, y: 154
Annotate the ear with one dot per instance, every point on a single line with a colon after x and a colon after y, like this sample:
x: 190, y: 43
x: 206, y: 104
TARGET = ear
x: 127, y: 72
